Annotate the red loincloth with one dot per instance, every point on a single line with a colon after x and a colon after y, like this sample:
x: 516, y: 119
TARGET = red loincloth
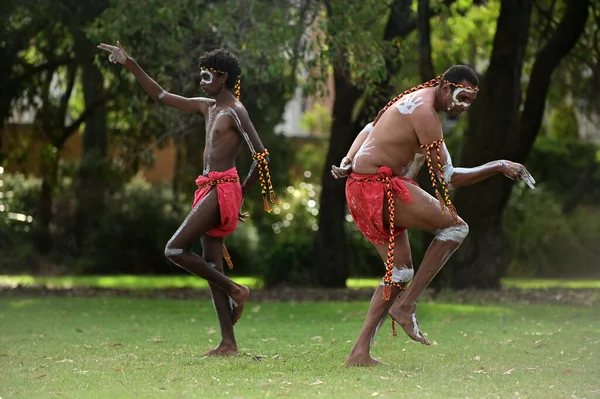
x: 366, y: 195
x: 229, y: 192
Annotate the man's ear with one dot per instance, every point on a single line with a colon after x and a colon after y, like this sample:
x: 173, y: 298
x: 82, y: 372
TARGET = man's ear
x: 224, y: 77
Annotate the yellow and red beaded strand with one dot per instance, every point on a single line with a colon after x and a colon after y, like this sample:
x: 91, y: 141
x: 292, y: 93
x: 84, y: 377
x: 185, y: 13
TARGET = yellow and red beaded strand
x: 445, y: 201
x: 266, y: 187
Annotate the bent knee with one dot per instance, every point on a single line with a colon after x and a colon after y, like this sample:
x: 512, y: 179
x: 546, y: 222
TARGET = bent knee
x: 457, y: 232
x: 171, y: 251
x: 403, y: 272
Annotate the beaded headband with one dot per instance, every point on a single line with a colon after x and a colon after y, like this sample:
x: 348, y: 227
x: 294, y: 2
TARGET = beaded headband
x: 236, y: 87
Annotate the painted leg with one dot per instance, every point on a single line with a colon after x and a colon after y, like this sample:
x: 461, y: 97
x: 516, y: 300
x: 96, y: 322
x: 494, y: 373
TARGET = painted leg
x: 378, y: 310
x: 424, y: 212
x: 200, y: 220
x: 445, y: 243
x: 212, y: 248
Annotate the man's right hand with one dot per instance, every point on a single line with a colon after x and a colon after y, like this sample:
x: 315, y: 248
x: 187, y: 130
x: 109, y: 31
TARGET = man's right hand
x: 342, y: 171
x: 117, y: 53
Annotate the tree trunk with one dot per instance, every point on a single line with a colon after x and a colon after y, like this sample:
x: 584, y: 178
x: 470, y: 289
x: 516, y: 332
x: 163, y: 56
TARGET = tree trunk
x: 483, y: 257
x: 44, y: 213
x: 92, y: 180
x: 330, y: 253
x: 425, y: 64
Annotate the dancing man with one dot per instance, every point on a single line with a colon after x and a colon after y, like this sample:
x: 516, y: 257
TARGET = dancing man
x: 218, y: 198
x: 384, y: 200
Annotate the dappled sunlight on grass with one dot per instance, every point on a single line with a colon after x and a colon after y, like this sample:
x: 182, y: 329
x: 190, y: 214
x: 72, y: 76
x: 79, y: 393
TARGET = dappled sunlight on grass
x: 115, y: 347
x: 533, y: 283
x: 120, y: 281
x: 465, y: 308
x: 189, y: 281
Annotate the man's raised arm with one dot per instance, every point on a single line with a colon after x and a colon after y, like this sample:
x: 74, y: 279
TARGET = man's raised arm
x: 154, y: 90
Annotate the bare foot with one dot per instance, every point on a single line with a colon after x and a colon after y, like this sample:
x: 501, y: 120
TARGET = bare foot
x: 237, y: 303
x: 223, y: 350
x: 362, y: 361
x: 405, y: 316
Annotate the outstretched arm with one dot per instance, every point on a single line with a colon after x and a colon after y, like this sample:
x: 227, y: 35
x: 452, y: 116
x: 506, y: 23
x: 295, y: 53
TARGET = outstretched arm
x: 346, y: 165
x: 154, y: 90
x: 429, y: 131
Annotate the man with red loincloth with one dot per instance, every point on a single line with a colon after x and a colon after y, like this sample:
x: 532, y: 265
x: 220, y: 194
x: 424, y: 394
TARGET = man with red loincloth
x: 218, y: 198
x: 384, y: 200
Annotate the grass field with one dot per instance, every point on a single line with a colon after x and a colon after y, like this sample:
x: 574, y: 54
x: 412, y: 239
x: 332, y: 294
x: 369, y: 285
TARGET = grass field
x: 144, y: 348
x: 189, y: 281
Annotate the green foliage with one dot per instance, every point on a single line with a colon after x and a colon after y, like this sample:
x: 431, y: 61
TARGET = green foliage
x: 563, y: 123
x: 559, y: 163
x: 318, y: 120
x: 547, y: 243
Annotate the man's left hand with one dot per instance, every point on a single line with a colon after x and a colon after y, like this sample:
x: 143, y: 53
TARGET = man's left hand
x: 516, y: 172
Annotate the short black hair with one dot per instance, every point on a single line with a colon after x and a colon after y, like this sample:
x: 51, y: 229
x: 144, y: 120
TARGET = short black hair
x: 460, y: 73
x: 224, y: 61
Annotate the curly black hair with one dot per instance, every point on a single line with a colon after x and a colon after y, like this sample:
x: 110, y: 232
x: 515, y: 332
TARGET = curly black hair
x: 459, y: 73
x: 224, y: 61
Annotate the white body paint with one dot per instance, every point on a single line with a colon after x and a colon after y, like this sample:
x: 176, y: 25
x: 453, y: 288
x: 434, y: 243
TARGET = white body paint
x: 162, y: 94
x: 453, y: 233
x: 447, y: 172
x: 365, y: 149
x: 210, y: 135
x: 414, y: 166
x: 403, y: 275
x: 407, y: 104
x: 416, y: 326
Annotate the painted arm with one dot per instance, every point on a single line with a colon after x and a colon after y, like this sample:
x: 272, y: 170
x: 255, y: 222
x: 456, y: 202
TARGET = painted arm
x: 246, y: 129
x: 345, y: 167
x: 429, y: 131
x: 154, y: 90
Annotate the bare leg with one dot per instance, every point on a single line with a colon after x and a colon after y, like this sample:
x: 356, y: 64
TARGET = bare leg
x: 212, y: 253
x: 425, y: 213
x: 201, y: 219
x: 360, y: 353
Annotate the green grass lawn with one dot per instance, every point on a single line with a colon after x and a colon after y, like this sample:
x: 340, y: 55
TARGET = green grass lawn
x: 189, y: 281
x: 140, y: 348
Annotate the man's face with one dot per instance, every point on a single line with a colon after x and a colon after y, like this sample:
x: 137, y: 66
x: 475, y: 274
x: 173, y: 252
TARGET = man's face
x: 210, y: 82
x: 458, y: 100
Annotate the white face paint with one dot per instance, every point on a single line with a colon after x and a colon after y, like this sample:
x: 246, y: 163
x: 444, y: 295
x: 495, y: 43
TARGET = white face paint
x: 365, y: 149
x: 407, y: 104
x: 206, y: 76
x: 455, y: 102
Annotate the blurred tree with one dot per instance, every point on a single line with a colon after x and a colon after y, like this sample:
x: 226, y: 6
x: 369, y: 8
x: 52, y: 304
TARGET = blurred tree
x: 498, y: 129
